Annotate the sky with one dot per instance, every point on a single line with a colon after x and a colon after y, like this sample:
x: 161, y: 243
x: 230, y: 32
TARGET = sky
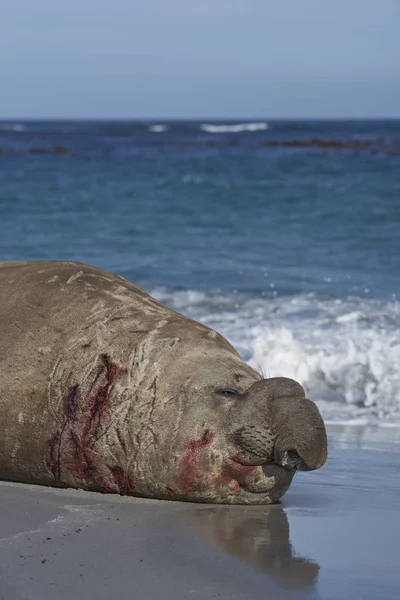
x: 223, y: 59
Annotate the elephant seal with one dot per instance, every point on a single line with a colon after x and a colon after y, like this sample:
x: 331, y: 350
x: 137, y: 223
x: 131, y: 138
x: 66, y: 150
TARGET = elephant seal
x: 105, y: 389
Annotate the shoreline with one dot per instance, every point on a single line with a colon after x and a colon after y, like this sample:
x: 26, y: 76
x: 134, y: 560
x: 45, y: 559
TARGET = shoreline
x: 335, y: 534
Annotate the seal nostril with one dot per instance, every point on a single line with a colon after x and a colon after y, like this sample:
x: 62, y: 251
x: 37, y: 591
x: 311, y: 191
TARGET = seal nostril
x: 293, y: 460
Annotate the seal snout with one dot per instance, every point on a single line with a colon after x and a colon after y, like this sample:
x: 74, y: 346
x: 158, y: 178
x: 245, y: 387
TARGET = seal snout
x: 301, y: 442
x: 282, y: 426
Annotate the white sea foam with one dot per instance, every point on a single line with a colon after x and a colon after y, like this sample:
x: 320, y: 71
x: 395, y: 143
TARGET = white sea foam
x: 234, y: 128
x: 158, y: 128
x: 346, y: 353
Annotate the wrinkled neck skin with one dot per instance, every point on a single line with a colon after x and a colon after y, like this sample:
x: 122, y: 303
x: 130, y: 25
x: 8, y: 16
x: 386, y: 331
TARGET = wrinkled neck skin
x: 179, y: 415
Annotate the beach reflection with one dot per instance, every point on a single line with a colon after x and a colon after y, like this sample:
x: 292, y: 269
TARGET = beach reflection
x: 260, y: 538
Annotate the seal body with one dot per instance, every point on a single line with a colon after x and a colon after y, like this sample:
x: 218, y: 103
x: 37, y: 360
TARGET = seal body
x: 105, y: 389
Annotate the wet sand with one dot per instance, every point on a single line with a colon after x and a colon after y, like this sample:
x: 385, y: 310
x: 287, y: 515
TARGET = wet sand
x: 336, y: 534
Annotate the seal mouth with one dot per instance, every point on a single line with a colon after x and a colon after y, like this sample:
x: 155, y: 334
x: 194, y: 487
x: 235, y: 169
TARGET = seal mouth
x: 261, y: 479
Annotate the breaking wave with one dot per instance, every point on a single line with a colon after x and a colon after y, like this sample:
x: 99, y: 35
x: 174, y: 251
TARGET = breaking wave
x: 344, y: 352
x: 234, y: 128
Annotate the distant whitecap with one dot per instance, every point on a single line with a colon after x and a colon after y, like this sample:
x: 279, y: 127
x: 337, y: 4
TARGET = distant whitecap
x: 234, y: 128
x: 158, y: 128
x: 12, y: 127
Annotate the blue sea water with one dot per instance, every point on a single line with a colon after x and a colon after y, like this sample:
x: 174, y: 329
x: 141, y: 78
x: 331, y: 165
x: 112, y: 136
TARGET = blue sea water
x: 282, y: 235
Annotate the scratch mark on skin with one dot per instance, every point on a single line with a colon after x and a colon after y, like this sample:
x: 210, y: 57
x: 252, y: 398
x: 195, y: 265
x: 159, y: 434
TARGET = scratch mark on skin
x: 75, y: 277
x: 121, y: 440
x: 146, y: 428
x: 52, y: 461
x: 99, y: 400
x: 69, y: 408
x: 125, y: 483
x: 82, y: 422
x: 116, y: 417
x: 169, y: 491
x: 153, y: 389
x: 170, y: 399
x: 71, y: 402
x: 193, y: 451
x: 83, y: 464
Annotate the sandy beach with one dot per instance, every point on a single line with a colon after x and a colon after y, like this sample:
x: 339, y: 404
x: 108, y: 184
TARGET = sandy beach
x: 336, y: 534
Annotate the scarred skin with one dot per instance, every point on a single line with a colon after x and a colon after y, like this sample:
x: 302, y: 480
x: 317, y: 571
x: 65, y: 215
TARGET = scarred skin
x: 105, y: 389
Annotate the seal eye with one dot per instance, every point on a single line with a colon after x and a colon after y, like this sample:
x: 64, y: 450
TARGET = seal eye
x: 227, y: 392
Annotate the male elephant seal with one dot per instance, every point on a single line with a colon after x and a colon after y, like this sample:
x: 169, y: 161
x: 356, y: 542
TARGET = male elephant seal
x: 105, y: 389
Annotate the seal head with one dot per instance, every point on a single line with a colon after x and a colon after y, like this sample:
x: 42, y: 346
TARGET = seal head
x: 241, y: 438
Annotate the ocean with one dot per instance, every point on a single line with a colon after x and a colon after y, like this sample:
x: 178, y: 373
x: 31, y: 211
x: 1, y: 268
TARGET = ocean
x: 282, y: 235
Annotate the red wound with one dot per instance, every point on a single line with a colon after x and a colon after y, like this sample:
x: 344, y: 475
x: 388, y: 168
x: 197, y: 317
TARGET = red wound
x: 81, y: 423
x: 189, y: 463
x: 234, y: 471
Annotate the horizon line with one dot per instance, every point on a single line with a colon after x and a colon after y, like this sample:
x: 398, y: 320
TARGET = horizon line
x: 202, y: 119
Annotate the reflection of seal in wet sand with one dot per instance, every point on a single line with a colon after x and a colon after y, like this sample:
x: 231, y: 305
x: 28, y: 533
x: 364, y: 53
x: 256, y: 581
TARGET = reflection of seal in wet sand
x: 260, y: 539
x: 105, y: 389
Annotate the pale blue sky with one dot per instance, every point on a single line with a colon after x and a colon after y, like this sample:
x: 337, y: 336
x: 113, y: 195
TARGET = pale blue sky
x: 199, y: 58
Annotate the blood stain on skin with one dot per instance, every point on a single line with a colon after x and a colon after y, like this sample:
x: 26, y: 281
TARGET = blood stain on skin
x: 189, y: 463
x: 99, y: 399
x: 82, y: 421
x: 235, y: 472
x: 125, y: 483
